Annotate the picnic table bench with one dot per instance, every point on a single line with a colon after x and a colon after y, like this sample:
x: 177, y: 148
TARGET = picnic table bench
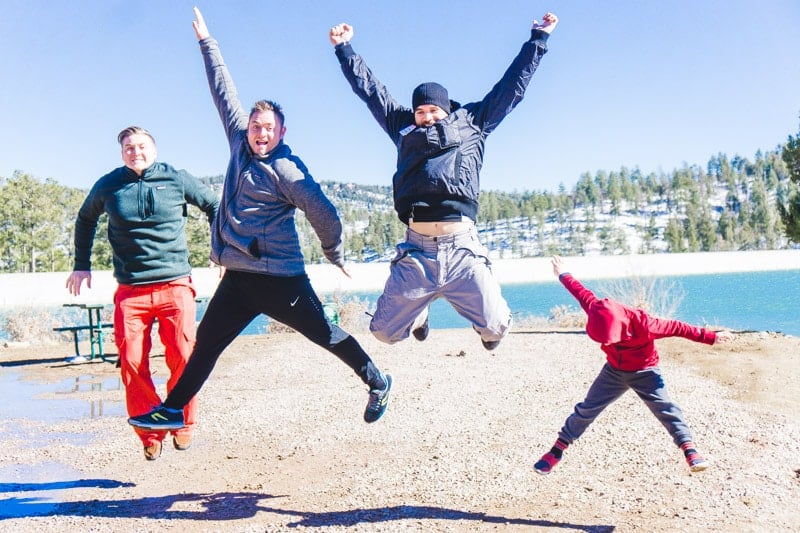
x: 95, y: 329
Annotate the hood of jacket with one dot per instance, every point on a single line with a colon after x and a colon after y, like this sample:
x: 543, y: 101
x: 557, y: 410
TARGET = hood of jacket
x: 608, y: 322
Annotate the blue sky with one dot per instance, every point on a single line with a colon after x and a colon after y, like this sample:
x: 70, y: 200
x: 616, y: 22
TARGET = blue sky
x: 628, y: 83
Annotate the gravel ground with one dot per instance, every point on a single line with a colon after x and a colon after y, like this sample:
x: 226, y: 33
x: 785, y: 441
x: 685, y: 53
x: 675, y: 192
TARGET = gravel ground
x: 281, y: 444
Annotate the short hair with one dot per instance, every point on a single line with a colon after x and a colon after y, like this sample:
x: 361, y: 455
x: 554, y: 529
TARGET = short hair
x: 133, y: 130
x: 268, y: 105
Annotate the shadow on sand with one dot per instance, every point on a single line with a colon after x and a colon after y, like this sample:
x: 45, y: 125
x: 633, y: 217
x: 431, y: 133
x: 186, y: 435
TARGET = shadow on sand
x: 237, y: 506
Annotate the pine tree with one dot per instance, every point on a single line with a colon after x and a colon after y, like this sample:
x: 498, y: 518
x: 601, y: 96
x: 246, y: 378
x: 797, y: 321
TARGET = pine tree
x: 790, y: 213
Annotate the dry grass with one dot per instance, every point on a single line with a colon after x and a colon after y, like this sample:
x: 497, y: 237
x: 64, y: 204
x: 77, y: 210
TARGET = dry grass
x: 657, y: 296
x: 32, y: 324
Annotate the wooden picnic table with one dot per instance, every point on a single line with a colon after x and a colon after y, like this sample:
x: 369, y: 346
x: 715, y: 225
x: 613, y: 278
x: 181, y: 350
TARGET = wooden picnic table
x: 95, y: 329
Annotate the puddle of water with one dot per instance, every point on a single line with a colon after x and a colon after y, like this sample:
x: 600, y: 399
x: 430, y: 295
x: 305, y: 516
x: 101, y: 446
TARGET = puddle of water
x: 22, y: 399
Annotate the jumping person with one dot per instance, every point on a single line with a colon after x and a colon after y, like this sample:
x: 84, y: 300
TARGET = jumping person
x: 440, y: 146
x: 255, y: 238
x: 627, y: 336
x: 146, y: 206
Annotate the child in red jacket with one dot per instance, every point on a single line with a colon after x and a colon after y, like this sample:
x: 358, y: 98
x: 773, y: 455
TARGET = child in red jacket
x: 627, y: 336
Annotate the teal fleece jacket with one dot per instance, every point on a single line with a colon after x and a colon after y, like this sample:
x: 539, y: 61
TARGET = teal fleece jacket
x: 146, y: 222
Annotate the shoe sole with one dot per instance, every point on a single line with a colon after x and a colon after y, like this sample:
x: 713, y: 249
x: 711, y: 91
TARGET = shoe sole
x: 156, y: 427
x: 700, y: 467
x: 541, y: 472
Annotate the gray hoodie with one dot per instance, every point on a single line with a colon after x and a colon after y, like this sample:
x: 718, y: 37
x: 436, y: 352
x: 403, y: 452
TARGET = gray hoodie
x: 254, y: 230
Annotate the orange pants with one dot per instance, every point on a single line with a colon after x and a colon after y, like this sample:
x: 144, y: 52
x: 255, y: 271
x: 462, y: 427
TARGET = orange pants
x: 136, y: 308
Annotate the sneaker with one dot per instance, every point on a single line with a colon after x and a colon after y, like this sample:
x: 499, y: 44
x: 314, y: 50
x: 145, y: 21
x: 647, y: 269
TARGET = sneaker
x: 182, y: 442
x: 696, y: 462
x: 378, y: 400
x: 159, y: 418
x: 546, y: 463
x: 421, y: 331
x: 490, y: 345
x: 153, y: 452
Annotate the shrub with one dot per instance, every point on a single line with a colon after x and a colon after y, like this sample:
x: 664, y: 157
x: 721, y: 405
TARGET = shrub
x: 30, y: 324
x: 565, y: 316
x: 657, y: 296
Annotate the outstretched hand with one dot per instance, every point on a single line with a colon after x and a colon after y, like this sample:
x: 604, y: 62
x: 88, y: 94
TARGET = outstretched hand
x: 341, y: 33
x: 558, y: 265
x: 199, y: 25
x: 75, y: 280
x: 548, y: 24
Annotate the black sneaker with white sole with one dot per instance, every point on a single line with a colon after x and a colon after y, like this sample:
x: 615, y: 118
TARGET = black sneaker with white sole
x: 159, y: 418
x: 378, y: 401
x: 421, y: 333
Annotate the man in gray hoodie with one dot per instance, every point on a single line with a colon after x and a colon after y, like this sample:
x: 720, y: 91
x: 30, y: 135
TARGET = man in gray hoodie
x: 255, y: 238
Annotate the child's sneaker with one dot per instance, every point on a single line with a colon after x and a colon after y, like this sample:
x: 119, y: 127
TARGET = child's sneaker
x: 696, y: 462
x: 546, y: 463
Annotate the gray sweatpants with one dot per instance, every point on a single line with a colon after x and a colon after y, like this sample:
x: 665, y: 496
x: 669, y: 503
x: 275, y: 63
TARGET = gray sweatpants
x: 454, y: 267
x: 609, y: 385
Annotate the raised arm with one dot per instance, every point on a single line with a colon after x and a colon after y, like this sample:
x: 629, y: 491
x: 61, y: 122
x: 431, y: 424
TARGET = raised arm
x: 509, y: 91
x: 584, y: 296
x: 223, y: 90
x: 387, y: 112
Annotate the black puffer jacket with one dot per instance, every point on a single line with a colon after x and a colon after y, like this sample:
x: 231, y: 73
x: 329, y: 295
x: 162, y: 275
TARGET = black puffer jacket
x: 438, y: 167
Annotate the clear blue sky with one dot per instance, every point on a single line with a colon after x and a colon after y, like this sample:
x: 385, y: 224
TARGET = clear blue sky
x: 648, y: 84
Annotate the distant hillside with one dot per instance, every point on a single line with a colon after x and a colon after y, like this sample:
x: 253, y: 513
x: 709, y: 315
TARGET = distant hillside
x: 730, y: 204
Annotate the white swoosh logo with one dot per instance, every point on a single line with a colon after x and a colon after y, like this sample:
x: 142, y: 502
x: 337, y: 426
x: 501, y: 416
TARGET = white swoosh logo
x: 291, y: 304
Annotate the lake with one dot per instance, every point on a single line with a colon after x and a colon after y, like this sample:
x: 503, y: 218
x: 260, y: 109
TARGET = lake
x: 759, y: 301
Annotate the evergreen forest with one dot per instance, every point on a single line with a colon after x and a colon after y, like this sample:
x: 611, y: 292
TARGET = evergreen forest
x: 730, y: 203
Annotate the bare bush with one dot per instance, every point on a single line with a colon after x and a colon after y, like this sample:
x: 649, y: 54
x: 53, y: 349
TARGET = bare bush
x: 31, y: 324
x: 351, y: 312
x: 565, y: 316
x: 657, y: 296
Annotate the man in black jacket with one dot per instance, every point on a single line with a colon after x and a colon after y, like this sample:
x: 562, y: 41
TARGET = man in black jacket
x: 440, y: 148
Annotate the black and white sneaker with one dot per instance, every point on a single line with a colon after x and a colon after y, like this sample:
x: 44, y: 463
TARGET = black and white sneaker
x: 420, y: 327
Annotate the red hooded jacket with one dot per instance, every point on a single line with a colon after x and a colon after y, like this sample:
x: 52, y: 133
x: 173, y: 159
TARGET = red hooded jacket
x: 626, y: 334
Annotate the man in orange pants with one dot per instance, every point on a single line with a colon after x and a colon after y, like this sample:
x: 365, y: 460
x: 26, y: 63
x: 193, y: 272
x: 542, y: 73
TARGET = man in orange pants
x: 146, y: 203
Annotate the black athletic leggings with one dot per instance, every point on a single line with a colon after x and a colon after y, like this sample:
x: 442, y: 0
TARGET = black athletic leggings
x: 242, y: 296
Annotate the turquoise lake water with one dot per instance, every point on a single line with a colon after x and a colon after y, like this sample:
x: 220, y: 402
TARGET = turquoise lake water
x: 749, y: 301
x: 759, y: 301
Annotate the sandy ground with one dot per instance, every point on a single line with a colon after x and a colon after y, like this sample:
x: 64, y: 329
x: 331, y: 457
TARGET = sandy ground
x: 282, y: 445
